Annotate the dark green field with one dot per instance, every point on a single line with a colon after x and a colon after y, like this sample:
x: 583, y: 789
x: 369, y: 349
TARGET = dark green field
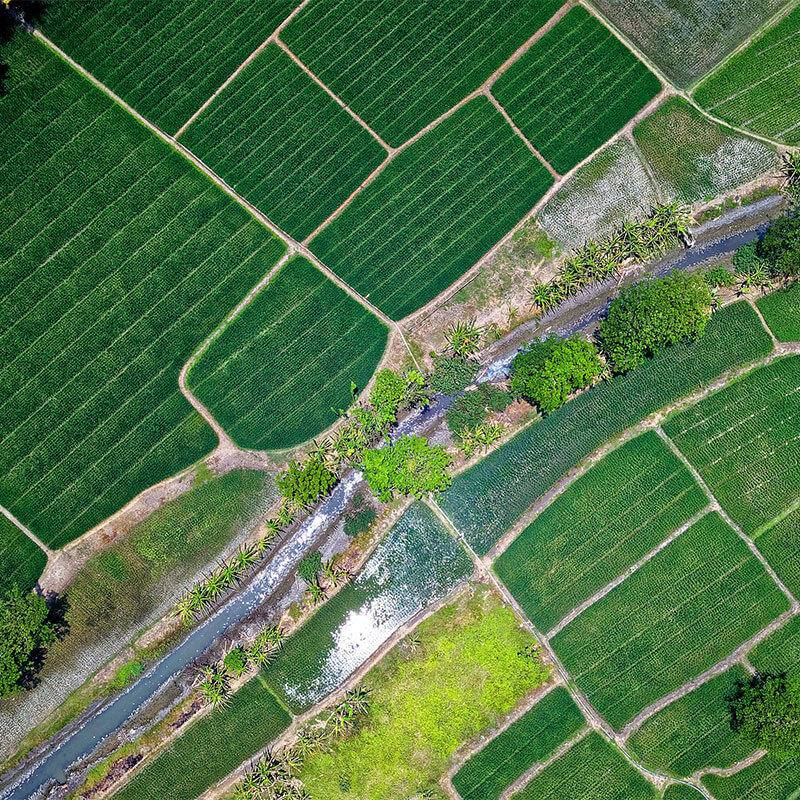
x: 780, y: 545
x: 22, y: 560
x: 781, y: 310
x: 780, y: 652
x: 770, y: 778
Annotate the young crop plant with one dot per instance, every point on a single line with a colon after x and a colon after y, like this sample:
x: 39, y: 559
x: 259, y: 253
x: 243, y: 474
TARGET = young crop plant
x: 779, y: 543
x: 22, y: 559
x: 575, y: 87
x: 769, y: 777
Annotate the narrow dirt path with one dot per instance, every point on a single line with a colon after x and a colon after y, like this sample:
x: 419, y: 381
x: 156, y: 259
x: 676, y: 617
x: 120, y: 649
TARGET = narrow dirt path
x: 26, y: 530
x: 732, y: 770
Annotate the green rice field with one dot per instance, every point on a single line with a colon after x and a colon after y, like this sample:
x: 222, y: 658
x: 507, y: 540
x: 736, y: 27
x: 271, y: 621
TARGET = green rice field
x: 780, y: 545
x: 694, y: 732
x: 781, y: 310
x: 417, y: 563
x: 758, y: 89
x: 301, y: 337
x: 211, y: 747
x: 745, y: 444
x: 434, y: 211
x: 163, y: 57
x: 575, y: 88
x: 530, y: 739
x: 779, y: 653
x: 592, y: 769
x: 487, y: 499
x: 119, y: 258
x: 602, y: 524
x: 401, y: 65
x: 680, y: 791
x: 284, y: 144
x: 684, y: 610
x: 694, y: 159
x: 770, y: 778
x: 23, y: 561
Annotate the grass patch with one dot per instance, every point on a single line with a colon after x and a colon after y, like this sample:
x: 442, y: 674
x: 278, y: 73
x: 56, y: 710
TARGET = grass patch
x: 686, y: 608
x: 592, y: 532
x: 575, y: 87
x: 283, y: 143
x: 487, y: 499
x: 694, y: 732
x: 466, y: 673
x: 302, y: 338
x: 530, y: 739
x: 23, y: 561
x: 434, y: 211
x: 770, y: 778
x: 781, y: 310
x: 695, y: 159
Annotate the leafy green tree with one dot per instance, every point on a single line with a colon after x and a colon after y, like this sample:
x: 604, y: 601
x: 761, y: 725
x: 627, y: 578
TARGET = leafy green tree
x: 549, y: 370
x: 24, y: 631
x: 767, y: 713
x: 392, y: 391
x: 310, y: 567
x: 408, y: 467
x: 236, y: 661
x: 306, y: 483
x: 718, y: 277
x: 653, y: 314
x: 780, y: 247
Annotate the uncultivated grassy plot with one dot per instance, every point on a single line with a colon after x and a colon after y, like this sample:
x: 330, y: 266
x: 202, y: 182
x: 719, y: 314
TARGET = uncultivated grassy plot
x: 758, y: 89
x: 23, y: 561
x: 745, y: 443
x: 486, y: 500
x: 780, y: 652
x: 695, y: 159
x: 275, y: 374
x: 528, y: 740
x: 284, y: 144
x: 694, y: 732
x: 683, y: 611
x: 592, y: 769
x: 575, y: 88
x: 770, y: 778
x: 417, y: 563
x: 780, y: 545
x: 164, y: 57
x: 401, y: 65
x: 603, y: 523
x: 434, y: 211
x: 428, y: 699
x: 118, y: 259
x: 212, y: 747
x: 686, y: 38
x: 781, y: 310
x: 612, y: 187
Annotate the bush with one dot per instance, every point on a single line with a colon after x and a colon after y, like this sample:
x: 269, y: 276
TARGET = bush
x: 310, y: 567
x: 651, y: 315
x: 409, y: 467
x: 767, y: 713
x: 452, y: 374
x: 236, y: 661
x: 780, y: 247
x: 358, y: 520
x: 306, y: 483
x: 392, y: 391
x: 748, y: 259
x: 548, y: 371
x: 719, y: 277
x: 472, y: 409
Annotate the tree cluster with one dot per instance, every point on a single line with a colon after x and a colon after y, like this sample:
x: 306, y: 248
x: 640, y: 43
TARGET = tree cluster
x: 766, y: 712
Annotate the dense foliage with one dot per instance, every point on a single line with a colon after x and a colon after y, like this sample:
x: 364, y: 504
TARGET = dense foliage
x: 409, y: 467
x: 452, y: 374
x: 310, y: 567
x: 393, y: 391
x: 780, y: 247
x: 653, y: 314
x: 305, y: 483
x: 24, y: 631
x: 719, y: 277
x: 767, y: 713
x: 549, y: 370
x: 472, y: 408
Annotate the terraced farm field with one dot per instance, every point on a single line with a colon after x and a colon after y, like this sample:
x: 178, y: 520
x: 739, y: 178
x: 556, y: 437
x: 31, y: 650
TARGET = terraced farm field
x: 592, y: 533
x: 164, y: 57
x: 694, y: 732
x: 694, y: 159
x: 417, y: 563
x: 575, y: 88
x: 770, y: 777
x: 284, y: 144
x: 436, y: 208
x: 119, y: 259
x: 303, y: 338
x: 486, y: 500
x: 401, y: 65
x: 758, y: 89
x: 686, y: 38
x: 682, y: 612
x: 744, y: 442
x: 23, y: 561
x: 780, y: 310
x: 530, y: 739
x: 592, y: 769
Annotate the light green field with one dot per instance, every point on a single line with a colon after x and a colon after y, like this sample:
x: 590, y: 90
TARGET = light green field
x: 769, y: 778
x: 781, y: 310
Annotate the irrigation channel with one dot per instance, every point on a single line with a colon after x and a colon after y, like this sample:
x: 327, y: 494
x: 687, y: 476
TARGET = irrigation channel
x: 46, y: 778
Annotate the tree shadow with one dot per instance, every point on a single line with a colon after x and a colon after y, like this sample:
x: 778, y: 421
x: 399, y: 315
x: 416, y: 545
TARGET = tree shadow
x: 57, y: 606
x: 32, y: 12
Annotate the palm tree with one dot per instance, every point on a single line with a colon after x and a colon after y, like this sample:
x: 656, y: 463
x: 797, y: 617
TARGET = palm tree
x: 245, y: 558
x: 464, y: 338
x: 358, y: 699
x: 185, y: 609
x: 316, y: 592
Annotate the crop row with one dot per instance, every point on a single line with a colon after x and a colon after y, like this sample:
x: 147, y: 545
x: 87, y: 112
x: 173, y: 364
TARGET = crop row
x: 780, y: 310
x: 22, y: 560
x: 575, y: 87
x: 487, y: 499
x: 690, y: 605
x: 530, y: 739
x: 436, y: 208
x: 770, y: 777
x: 744, y: 441
x: 592, y: 532
x: 400, y: 66
x: 301, y: 339
x: 780, y: 545
x: 283, y: 143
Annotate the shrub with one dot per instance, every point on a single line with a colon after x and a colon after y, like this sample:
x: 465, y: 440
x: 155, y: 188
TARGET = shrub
x: 392, y: 391
x: 549, y: 370
x: 451, y: 374
x: 767, y: 713
x: 719, y: 277
x: 464, y: 338
x: 651, y: 315
x: 236, y: 661
x: 780, y: 247
x: 359, y: 519
x: 409, y: 467
x: 306, y: 483
x: 471, y: 410
x: 310, y: 567
x: 747, y: 259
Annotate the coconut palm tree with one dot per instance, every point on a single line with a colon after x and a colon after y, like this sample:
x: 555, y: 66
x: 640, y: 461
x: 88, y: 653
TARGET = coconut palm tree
x: 185, y: 609
x: 464, y: 338
x: 316, y: 592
